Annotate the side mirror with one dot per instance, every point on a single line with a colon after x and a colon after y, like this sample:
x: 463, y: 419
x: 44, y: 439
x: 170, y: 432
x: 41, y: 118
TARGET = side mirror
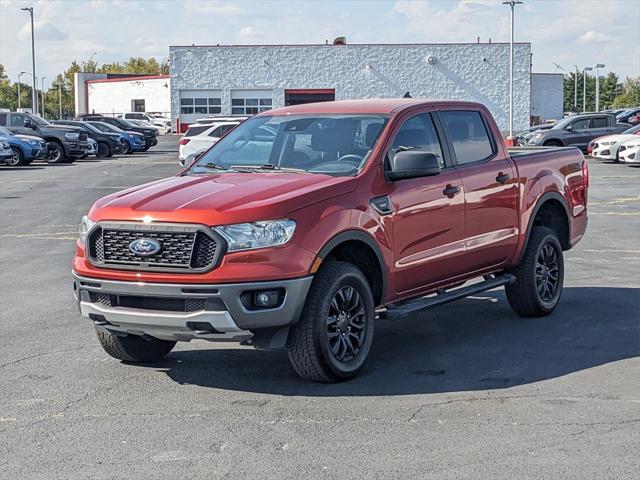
x: 29, y: 124
x: 569, y: 128
x: 413, y: 164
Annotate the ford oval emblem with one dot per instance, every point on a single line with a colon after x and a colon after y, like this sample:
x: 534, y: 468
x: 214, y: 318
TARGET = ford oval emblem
x: 145, y: 247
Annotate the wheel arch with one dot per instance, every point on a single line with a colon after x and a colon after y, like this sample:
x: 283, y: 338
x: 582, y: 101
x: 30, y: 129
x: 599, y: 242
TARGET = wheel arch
x: 550, y: 211
x: 361, y: 250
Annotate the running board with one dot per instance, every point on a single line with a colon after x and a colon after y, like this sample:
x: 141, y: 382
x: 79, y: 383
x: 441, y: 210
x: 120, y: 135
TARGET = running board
x: 403, y: 310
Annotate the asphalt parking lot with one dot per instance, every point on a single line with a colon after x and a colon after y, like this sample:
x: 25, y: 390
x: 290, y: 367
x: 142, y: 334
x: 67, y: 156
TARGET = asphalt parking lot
x: 467, y: 390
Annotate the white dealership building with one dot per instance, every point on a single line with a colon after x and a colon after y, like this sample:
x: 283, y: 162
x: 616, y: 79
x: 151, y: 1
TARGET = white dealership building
x: 247, y: 79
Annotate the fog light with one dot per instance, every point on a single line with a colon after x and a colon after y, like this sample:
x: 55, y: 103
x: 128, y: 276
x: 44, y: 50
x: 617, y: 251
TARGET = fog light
x: 265, y: 299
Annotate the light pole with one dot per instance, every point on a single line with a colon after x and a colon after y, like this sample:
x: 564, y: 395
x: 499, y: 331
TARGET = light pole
x: 575, y: 91
x: 59, y: 99
x: 19, y: 95
x: 598, y: 65
x: 584, y: 88
x: 512, y: 4
x: 42, y: 85
x: 34, y: 94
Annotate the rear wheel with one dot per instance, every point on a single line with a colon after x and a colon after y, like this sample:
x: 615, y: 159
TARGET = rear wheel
x: 126, y: 148
x: 55, y: 152
x: 134, y: 348
x: 539, y: 277
x: 552, y: 143
x: 18, y: 157
x: 332, y: 339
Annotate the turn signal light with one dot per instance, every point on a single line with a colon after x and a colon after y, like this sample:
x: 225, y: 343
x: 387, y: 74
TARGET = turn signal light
x: 184, y: 141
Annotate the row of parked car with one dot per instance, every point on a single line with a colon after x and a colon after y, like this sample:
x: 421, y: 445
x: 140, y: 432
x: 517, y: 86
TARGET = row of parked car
x: 204, y: 133
x: 582, y: 130
x: 25, y: 137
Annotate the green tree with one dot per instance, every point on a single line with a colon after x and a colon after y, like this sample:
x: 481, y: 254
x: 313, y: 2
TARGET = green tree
x: 629, y: 95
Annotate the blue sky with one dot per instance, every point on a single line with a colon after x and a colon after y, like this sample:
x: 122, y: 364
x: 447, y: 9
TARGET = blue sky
x: 565, y: 32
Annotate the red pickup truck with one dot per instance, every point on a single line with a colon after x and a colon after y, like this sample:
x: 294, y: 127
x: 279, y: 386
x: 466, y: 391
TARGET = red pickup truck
x: 304, y: 225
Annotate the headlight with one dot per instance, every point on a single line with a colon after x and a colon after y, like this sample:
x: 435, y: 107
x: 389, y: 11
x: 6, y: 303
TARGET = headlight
x: 33, y: 143
x: 85, y: 226
x: 249, y: 236
x: 71, y: 136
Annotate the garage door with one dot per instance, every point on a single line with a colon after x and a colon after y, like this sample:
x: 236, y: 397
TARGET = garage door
x: 195, y: 104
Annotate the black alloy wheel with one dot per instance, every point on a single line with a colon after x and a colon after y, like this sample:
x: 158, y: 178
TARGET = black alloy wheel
x: 346, y: 322
x: 547, y: 273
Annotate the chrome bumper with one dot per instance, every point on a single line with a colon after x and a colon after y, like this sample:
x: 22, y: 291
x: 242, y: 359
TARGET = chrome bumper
x: 229, y: 319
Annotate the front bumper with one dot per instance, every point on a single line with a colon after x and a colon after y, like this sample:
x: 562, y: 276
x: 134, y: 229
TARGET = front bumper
x: 222, y: 317
x: 76, y: 149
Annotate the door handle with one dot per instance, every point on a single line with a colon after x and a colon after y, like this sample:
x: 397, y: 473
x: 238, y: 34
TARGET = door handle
x: 451, y: 191
x: 502, y: 177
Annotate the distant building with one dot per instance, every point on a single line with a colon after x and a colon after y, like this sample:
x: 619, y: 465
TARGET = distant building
x: 113, y: 94
x: 547, y: 97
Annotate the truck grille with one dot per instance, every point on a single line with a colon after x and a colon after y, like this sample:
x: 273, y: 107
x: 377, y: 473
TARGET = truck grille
x: 83, y: 136
x: 183, y: 248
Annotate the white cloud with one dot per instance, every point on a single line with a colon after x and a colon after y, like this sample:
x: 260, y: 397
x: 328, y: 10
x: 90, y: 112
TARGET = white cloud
x: 593, y: 37
x: 45, y: 31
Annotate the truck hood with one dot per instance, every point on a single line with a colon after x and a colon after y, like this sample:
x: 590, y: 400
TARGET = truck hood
x: 221, y: 198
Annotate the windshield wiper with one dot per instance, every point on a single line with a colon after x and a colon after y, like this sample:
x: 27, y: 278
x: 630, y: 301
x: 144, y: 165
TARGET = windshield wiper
x: 213, y: 166
x: 267, y: 167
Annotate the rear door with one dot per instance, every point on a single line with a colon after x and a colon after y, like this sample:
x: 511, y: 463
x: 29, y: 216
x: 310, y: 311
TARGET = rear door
x: 428, y: 213
x: 490, y: 189
x: 600, y: 126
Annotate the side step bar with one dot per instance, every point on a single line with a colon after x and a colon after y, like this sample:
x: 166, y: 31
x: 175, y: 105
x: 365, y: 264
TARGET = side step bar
x: 403, y: 310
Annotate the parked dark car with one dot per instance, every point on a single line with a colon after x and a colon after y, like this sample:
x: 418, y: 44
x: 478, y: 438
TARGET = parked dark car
x: 150, y: 133
x: 577, y: 131
x: 64, y: 143
x: 108, y: 143
x: 133, y: 141
x: 630, y: 115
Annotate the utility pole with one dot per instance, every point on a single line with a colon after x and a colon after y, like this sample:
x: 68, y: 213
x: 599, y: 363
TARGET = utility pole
x: 512, y: 4
x: 584, y: 88
x: 59, y: 99
x: 598, y: 65
x: 43, y: 106
x: 34, y: 94
x: 575, y: 91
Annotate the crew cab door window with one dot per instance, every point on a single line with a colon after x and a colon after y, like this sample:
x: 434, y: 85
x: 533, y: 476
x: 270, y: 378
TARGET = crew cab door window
x: 418, y: 133
x: 469, y: 136
x: 581, y: 124
x: 17, y: 120
x: 599, y: 122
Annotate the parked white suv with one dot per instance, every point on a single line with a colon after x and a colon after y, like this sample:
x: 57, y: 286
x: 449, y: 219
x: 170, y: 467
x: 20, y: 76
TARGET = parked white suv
x: 199, y: 137
x: 164, y: 125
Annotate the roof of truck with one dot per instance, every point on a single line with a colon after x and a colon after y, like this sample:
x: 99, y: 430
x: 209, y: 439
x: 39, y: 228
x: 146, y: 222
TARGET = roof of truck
x: 375, y: 106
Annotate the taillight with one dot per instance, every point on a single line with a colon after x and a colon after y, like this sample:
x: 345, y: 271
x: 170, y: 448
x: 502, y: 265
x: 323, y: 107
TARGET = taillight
x: 184, y: 141
x: 585, y: 178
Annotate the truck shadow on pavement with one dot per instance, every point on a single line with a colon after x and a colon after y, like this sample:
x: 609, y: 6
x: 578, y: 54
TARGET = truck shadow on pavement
x: 474, y: 344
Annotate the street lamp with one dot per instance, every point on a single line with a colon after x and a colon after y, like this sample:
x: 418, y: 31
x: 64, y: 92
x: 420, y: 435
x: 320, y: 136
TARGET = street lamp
x: 598, y: 65
x: 34, y: 94
x: 512, y: 4
x: 584, y: 88
x: 59, y: 85
x: 19, y: 75
x: 575, y: 91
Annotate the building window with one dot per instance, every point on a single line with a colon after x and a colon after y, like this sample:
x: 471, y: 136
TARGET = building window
x: 137, y: 105
x: 250, y: 106
x: 200, y: 106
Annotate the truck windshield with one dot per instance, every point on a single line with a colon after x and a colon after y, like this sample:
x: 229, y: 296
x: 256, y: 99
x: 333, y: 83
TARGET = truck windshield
x: 37, y: 120
x: 5, y: 133
x: 329, y: 144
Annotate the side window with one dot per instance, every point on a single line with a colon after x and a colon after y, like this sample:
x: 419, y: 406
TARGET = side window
x: 216, y: 132
x: 418, y: 133
x: 3, y: 119
x: 599, y: 122
x: 471, y: 141
x: 580, y: 124
x: 17, y: 120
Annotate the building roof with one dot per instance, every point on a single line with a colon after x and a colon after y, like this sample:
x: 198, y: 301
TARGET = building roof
x: 350, y: 45
x: 130, y: 78
x: 368, y: 106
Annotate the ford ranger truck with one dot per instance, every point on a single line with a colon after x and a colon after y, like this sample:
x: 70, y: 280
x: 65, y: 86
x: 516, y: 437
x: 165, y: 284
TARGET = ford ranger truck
x: 305, y: 225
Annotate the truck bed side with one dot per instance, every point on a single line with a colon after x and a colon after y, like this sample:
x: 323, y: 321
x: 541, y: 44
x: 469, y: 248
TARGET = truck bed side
x: 557, y: 178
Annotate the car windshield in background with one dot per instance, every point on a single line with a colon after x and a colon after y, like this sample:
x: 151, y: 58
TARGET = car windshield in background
x: 38, y: 120
x: 632, y: 130
x: 105, y: 127
x: 128, y: 123
x: 329, y: 144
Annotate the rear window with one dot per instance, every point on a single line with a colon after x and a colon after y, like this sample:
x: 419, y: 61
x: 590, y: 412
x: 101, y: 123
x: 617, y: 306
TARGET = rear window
x: 471, y: 141
x: 196, y: 130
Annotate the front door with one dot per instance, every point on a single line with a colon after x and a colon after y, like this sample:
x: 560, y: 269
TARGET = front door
x: 491, y: 190
x: 428, y: 214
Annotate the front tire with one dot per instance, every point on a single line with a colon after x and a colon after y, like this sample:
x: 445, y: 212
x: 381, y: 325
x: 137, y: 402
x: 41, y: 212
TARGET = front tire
x: 55, y: 152
x: 332, y: 339
x: 103, y: 150
x: 539, y: 277
x: 134, y: 348
x: 17, y: 159
x: 126, y: 148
